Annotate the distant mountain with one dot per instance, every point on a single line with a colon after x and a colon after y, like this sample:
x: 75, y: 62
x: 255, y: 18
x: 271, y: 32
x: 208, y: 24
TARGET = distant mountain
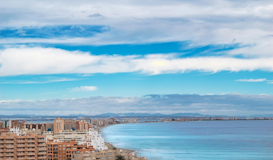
x: 125, y: 115
x: 24, y: 115
x: 18, y: 115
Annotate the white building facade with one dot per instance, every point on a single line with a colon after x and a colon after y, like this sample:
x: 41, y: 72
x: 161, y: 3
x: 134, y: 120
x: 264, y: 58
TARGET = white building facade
x: 93, y: 138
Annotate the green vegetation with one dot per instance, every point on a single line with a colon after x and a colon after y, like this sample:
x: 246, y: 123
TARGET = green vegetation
x: 120, y: 157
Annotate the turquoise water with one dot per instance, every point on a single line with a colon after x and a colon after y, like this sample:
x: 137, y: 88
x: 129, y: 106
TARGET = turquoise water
x: 200, y: 140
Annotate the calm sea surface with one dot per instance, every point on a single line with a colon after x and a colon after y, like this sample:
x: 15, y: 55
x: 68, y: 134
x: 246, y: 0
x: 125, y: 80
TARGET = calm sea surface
x: 201, y: 140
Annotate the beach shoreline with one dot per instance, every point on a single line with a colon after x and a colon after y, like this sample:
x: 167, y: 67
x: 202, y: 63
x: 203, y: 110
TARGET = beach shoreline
x: 110, y: 145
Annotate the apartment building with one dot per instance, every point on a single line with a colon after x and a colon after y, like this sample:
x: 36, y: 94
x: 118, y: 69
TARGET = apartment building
x: 93, y: 138
x: 34, y: 126
x: 16, y: 124
x: 4, y: 130
x: 23, y: 147
x: 58, y: 125
x: 66, y: 135
x: 105, y: 155
x: 49, y: 127
x: 69, y: 124
x: 81, y: 125
x: 57, y: 150
x: 4, y: 124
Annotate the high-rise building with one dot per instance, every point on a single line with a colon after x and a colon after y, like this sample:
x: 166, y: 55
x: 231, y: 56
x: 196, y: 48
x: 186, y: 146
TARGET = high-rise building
x: 16, y: 124
x: 23, y: 147
x: 69, y: 124
x: 4, y: 124
x: 58, y: 125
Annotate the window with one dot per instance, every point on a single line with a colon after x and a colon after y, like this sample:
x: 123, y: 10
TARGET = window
x: 109, y: 157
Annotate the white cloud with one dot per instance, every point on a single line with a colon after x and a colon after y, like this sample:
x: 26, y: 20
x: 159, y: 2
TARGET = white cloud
x: 85, y: 88
x: 38, y: 61
x: 252, y: 80
x: 39, y: 82
x: 248, y: 23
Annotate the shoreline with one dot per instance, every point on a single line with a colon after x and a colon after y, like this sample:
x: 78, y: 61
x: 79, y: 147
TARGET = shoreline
x: 111, y: 146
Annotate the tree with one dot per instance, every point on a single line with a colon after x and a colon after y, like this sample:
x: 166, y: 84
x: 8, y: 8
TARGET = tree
x: 120, y: 157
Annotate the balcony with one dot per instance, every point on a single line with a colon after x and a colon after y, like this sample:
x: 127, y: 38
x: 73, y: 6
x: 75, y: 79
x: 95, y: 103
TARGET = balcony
x: 10, y: 150
x: 2, y: 154
x: 42, y: 148
x: 30, y: 145
x: 30, y: 153
x: 41, y: 144
x: 9, y: 140
x: 21, y: 149
x: 21, y: 158
x: 30, y: 157
x: 21, y: 153
x: 30, y: 149
x: 42, y: 157
x: 9, y: 154
x: 9, y: 146
x: 41, y: 153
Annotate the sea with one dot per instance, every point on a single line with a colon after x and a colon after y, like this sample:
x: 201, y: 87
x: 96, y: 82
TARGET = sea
x: 195, y: 140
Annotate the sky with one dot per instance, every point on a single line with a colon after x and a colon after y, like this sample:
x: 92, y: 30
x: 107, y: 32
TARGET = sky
x: 212, y: 57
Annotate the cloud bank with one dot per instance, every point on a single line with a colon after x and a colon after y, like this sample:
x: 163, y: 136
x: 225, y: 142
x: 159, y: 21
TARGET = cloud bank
x: 247, y: 23
x: 34, y: 61
x: 231, y: 104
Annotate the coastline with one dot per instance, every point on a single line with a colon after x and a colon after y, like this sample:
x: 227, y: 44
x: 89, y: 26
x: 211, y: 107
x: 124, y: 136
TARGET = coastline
x: 111, y: 146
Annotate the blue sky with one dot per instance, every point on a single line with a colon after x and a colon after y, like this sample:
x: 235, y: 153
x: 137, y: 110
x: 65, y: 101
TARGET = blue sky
x: 65, y: 50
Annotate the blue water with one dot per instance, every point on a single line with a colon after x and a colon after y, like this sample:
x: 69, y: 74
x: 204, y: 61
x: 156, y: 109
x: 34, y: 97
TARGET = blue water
x: 200, y: 140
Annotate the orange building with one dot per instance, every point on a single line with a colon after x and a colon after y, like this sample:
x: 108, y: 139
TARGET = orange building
x: 4, y: 130
x: 58, y: 125
x: 82, y: 125
x: 16, y: 124
x: 64, y: 150
x: 26, y: 147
